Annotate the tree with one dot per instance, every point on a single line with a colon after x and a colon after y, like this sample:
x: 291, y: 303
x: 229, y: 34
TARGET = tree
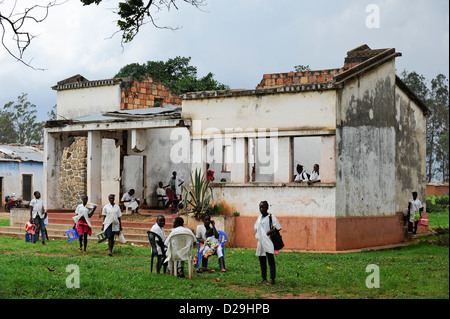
x: 134, y: 14
x: 440, y: 103
x: 18, y: 123
x: 436, y: 99
x: 175, y: 73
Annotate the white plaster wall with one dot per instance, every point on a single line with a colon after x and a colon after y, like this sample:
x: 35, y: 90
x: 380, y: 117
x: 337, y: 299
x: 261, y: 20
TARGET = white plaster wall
x: 86, y: 101
x: 365, y: 141
x: 110, y: 170
x: 284, y: 111
x: 166, y: 150
x: 411, y: 150
x: 284, y: 200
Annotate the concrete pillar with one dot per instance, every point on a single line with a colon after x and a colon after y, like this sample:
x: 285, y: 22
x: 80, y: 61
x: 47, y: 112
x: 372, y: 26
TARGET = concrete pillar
x: 283, y: 171
x: 94, y: 167
x: 239, y: 165
x: 138, y: 140
x: 54, y: 144
x: 198, y: 154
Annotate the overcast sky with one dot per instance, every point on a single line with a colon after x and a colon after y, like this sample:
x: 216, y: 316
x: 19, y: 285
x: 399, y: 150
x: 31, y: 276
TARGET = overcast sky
x: 237, y: 40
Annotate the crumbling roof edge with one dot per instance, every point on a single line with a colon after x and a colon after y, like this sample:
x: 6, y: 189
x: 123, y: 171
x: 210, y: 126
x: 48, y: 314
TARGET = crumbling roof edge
x: 295, y: 88
x: 412, y: 95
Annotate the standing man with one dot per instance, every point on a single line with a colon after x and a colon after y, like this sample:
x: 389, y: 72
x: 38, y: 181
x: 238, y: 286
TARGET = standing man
x: 415, y: 209
x: 175, y: 184
x: 37, y: 216
x: 112, y: 224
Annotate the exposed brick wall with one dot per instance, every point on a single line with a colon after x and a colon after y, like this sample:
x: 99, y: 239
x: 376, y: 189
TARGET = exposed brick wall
x: 298, y: 78
x: 354, y: 58
x: 144, y: 93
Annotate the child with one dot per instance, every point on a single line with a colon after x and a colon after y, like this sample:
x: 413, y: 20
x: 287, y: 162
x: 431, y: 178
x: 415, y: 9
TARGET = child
x: 83, y: 221
x: 211, y: 244
x: 112, y: 224
x: 37, y: 216
x: 315, y: 175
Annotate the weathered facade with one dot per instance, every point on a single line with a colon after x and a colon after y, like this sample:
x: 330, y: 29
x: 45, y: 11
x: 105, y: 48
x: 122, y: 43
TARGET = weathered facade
x: 21, y: 171
x: 360, y: 123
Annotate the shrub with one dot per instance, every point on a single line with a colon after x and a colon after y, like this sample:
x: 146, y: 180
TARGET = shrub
x: 437, y: 203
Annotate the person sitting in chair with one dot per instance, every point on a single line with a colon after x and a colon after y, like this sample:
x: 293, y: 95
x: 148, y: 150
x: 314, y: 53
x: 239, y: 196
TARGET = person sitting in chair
x: 161, y: 195
x: 202, y: 238
x: 129, y: 201
x: 158, y: 229
x: 178, y: 228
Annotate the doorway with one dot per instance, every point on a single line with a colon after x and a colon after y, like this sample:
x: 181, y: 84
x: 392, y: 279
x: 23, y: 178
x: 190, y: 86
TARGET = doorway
x: 26, y: 187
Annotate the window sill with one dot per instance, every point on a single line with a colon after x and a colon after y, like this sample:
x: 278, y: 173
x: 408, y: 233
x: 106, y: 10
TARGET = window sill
x: 267, y: 184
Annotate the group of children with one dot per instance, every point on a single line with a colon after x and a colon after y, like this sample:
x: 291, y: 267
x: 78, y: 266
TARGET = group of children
x: 206, y: 234
x: 303, y: 176
x: 206, y: 237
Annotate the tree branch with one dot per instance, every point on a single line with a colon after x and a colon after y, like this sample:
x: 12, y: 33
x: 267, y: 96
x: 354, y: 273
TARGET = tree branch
x: 13, y: 28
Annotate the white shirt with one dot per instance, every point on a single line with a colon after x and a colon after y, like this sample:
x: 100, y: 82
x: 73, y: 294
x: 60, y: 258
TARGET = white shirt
x: 129, y: 201
x: 177, y: 182
x: 38, y: 207
x: 302, y: 177
x: 161, y: 192
x: 82, y: 211
x: 314, y: 176
x: 112, y: 214
x: 262, y: 226
x: 416, y: 205
x: 158, y: 230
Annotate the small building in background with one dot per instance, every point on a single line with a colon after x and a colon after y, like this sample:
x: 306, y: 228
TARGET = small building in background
x: 21, y: 171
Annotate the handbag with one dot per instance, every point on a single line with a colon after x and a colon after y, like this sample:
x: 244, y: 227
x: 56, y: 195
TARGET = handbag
x: 276, y: 238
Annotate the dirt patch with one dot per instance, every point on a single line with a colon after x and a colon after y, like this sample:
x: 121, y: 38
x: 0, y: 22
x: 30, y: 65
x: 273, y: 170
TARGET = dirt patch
x: 255, y: 291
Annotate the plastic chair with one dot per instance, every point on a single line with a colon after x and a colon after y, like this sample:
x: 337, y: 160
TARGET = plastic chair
x: 155, y: 241
x: 180, y: 245
x: 101, y: 236
x: 173, y: 199
x: 72, y: 234
x: 222, y: 240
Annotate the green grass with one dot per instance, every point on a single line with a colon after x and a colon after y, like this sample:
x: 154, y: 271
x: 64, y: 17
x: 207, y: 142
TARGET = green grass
x: 416, y: 271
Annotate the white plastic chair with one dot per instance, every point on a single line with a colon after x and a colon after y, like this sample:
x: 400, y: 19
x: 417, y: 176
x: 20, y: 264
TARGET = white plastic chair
x: 181, y: 248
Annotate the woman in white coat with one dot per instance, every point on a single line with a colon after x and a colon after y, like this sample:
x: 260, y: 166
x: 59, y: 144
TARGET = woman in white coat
x: 265, y: 250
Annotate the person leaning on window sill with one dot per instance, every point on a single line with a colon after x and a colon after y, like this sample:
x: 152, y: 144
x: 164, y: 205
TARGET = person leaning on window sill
x: 315, y: 177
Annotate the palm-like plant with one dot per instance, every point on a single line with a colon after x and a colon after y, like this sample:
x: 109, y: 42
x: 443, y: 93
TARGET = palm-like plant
x: 199, y: 195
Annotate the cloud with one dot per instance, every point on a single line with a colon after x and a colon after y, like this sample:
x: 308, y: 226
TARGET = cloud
x: 238, y: 41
